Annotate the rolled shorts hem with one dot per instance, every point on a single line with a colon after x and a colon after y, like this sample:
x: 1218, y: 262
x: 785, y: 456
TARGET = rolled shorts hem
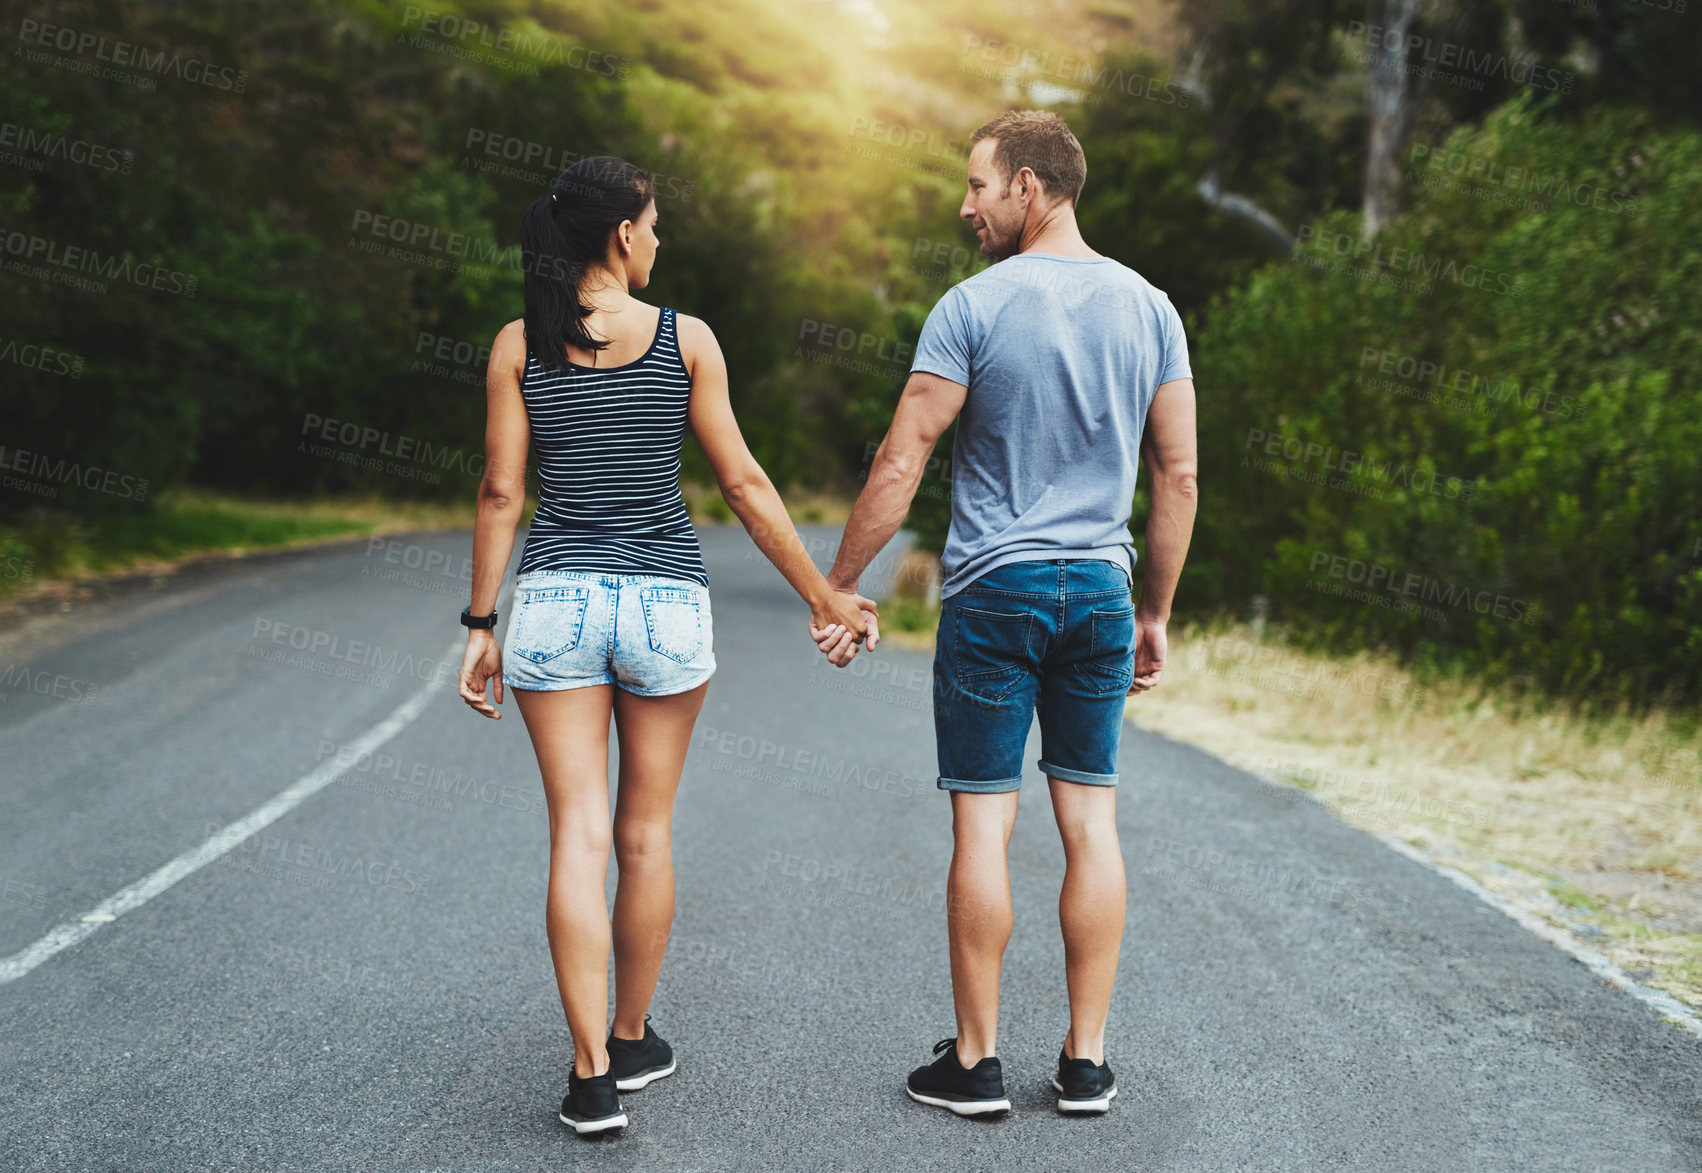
x: 594, y: 681
x: 1081, y: 776
x: 540, y: 684
x: 671, y: 690
x: 1001, y: 786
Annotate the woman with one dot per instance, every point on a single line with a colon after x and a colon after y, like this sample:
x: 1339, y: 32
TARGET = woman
x: 611, y: 601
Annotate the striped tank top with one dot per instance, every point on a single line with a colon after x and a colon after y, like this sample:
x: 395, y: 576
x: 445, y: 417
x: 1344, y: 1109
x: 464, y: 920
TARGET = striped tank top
x: 608, y: 444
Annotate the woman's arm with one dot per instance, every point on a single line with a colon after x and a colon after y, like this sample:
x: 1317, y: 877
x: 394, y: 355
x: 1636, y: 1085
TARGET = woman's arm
x: 502, y: 501
x: 747, y: 489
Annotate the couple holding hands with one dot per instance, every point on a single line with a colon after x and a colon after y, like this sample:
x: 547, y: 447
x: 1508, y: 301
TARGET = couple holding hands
x: 1063, y: 369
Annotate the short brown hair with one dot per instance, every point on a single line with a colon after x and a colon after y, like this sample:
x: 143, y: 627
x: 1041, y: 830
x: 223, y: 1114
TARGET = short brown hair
x: 1042, y: 142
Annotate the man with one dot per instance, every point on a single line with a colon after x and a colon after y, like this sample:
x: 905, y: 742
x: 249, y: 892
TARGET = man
x: 1067, y: 368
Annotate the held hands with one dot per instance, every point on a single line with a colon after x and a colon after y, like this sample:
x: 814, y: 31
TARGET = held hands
x: 841, y: 622
x: 1150, y: 647
x: 482, y: 662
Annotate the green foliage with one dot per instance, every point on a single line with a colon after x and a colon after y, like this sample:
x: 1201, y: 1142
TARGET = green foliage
x: 1642, y: 52
x: 777, y: 212
x: 39, y: 544
x: 909, y: 615
x: 1142, y: 205
x: 301, y: 311
x: 1528, y: 500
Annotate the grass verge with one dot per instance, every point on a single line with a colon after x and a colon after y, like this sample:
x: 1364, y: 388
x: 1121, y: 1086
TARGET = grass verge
x: 43, y: 547
x: 1594, y: 823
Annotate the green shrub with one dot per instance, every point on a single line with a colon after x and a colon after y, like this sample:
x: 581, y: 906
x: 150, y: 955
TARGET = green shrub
x: 1523, y: 494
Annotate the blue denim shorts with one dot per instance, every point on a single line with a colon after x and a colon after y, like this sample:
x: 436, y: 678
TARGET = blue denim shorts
x: 1055, y: 637
x: 645, y: 633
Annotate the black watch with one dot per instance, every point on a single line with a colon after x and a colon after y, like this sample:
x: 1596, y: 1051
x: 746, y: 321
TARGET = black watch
x: 468, y: 619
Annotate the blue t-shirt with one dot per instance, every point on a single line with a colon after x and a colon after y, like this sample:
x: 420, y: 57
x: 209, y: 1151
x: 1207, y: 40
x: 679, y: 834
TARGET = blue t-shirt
x: 1062, y: 356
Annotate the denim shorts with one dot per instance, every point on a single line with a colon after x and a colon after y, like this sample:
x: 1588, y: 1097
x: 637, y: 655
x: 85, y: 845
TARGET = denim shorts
x: 571, y: 629
x: 1054, y: 636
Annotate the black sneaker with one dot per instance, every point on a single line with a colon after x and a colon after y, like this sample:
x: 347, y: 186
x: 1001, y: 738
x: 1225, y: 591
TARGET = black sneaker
x: 637, y: 1063
x: 946, y: 1083
x: 1082, y: 1086
x: 591, y: 1105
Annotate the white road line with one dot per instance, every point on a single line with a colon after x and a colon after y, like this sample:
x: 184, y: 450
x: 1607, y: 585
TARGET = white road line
x: 79, y: 928
x: 1670, y: 1007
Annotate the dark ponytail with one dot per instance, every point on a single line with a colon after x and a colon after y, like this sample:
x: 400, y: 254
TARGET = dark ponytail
x: 563, y: 233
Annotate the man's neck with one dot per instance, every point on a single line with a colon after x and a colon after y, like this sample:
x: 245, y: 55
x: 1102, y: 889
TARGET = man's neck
x: 1056, y: 234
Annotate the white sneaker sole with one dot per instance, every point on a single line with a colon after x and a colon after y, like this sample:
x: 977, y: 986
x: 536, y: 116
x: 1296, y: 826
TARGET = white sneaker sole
x: 639, y: 1082
x: 1103, y: 1104
x: 583, y: 1127
x: 961, y: 1107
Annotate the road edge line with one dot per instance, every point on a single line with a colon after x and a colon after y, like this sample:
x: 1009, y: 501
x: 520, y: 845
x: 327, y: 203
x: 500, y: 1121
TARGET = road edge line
x: 78, y: 929
x: 1672, y: 1010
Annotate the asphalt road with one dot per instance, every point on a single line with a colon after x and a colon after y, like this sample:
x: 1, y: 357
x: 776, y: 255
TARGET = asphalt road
x: 365, y: 984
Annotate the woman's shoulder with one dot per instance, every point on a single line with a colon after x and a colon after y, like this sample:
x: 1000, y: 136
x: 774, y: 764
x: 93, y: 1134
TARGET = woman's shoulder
x: 696, y: 340
x: 510, y: 344
x: 692, y: 332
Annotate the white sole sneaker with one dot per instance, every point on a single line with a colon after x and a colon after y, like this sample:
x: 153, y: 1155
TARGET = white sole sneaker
x: 1102, y: 1104
x: 961, y: 1107
x: 643, y: 1081
x: 584, y: 1127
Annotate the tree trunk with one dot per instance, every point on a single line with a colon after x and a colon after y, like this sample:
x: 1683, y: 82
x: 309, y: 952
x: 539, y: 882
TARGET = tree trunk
x: 1391, y: 105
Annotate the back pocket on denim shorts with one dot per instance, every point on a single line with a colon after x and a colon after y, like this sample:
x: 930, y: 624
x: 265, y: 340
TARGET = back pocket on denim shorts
x: 1110, y: 663
x: 548, y: 622
x: 674, y: 622
x: 990, y: 651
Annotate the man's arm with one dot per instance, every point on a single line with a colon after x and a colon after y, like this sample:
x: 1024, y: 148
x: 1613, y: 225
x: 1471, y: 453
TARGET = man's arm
x: 925, y: 410
x: 1170, y: 452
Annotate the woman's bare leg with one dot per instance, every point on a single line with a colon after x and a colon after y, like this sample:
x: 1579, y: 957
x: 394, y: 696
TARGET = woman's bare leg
x: 655, y: 733
x: 570, y: 732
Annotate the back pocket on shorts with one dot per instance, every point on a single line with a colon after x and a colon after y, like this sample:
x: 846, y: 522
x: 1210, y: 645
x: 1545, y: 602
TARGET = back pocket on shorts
x: 548, y: 622
x: 990, y: 651
x: 674, y: 622
x: 1110, y: 664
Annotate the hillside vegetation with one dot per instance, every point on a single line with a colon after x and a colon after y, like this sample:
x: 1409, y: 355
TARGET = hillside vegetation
x: 261, y: 250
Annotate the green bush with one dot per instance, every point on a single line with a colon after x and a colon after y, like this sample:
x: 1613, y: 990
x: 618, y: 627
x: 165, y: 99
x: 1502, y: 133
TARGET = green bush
x: 1502, y: 466
x: 299, y: 311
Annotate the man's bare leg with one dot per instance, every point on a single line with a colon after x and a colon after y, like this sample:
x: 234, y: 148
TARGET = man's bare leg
x: 978, y: 916
x: 1090, y: 909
